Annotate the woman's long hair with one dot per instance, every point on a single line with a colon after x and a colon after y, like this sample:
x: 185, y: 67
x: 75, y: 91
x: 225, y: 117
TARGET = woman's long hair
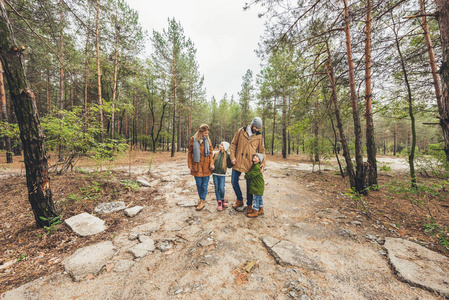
x: 199, y: 134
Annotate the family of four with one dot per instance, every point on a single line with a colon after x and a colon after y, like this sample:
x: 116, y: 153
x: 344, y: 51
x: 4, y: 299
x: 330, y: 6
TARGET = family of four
x: 246, y: 156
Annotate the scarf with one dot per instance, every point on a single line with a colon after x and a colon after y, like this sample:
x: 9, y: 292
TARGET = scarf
x: 196, y: 149
x: 249, y: 130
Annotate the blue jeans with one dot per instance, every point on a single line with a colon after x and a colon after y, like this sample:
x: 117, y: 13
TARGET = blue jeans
x: 201, y: 185
x: 258, y: 202
x: 219, y: 182
x: 236, y: 186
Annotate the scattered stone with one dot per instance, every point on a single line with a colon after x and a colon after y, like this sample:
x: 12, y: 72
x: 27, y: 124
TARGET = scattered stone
x: 85, y: 224
x: 164, y: 246
x: 142, y: 238
x: 292, y: 294
x: 304, y: 297
x: 240, y: 208
x: 187, y: 203
x: 356, y: 223
x: 143, y: 182
x: 107, y: 208
x: 88, y: 260
x: 418, y: 265
x: 330, y: 213
x: 371, y: 238
x: 178, y: 291
x: 133, y: 211
x: 145, y: 229
x: 7, y: 264
x: 142, y: 249
x: 301, y: 225
x: 123, y: 265
x: 205, y: 242
x: 287, y: 253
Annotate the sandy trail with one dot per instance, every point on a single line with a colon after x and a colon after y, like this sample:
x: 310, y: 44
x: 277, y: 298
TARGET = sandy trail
x: 351, y: 266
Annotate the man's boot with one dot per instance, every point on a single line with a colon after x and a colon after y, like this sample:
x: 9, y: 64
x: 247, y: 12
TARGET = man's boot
x: 200, y: 205
x: 254, y: 214
x: 249, y: 209
x: 238, y: 203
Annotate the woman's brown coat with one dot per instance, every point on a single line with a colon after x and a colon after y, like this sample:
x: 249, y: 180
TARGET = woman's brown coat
x: 202, y: 168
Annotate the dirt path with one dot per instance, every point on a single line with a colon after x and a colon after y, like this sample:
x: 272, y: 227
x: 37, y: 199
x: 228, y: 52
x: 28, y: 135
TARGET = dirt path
x: 212, y: 248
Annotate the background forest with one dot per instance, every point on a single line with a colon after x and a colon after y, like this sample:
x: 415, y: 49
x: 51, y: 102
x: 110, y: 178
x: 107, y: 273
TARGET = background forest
x: 357, y: 78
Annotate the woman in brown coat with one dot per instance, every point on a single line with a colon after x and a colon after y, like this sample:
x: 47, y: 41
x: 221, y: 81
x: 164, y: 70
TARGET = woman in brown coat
x: 199, y: 158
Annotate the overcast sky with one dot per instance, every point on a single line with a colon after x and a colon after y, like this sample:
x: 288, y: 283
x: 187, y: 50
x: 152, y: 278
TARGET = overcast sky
x: 224, y: 35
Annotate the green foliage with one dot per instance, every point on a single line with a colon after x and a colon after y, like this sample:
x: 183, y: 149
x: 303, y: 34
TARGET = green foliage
x: 441, y: 232
x: 384, y: 167
x: 75, y: 133
x: 9, y: 130
x: 52, y: 224
x: 91, y: 191
x: 22, y: 257
x: 130, y: 185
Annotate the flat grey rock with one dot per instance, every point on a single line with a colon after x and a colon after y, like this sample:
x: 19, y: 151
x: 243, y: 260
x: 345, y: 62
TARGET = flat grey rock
x: 107, y: 208
x: 206, y: 242
x: 142, y: 249
x: 187, y: 203
x: 164, y: 245
x: 85, y: 224
x: 288, y: 254
x: 123, y: 265
x: 418, y: 265
x: 143, y: 182
x: 88, y: 260
x: 145, y: 229
x: 330, y: 213
x: 240, y: 208
x: 133, y: 211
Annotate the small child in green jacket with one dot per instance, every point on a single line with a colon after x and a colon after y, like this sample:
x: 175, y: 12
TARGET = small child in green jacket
x: 256, y: 185
x: 220, y: 163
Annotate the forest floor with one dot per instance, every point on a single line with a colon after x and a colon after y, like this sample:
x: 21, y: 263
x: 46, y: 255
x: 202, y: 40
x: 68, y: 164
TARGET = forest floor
x: 298, y: 204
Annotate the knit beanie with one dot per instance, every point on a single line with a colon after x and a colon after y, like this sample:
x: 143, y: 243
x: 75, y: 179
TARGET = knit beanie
x: 257, y: 122
x: 225, y: 145
x: 260, y: 156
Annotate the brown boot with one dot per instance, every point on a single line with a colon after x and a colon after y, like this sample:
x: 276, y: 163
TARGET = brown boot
x: 238, y: 203
x: 249, y: 209
x: 261, y: 211
x: 200, y: 205
x: 254, y: 214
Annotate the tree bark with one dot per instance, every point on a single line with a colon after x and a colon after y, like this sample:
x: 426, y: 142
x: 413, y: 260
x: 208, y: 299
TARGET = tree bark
x: 100, y: 100
x: 174, y: 105
x: 274, y: 125
x: 48, y: 91
x: 284, y: 124
x: 4, y: 116
x: 370, y: 139
x: 443, y: 100
x: 35, y: 158
x: 344, y: 144
x: 411, y: 155
x: 61, y: 57
x: 359, y: 178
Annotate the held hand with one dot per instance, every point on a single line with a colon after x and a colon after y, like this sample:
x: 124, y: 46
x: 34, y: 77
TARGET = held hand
x: 190, y: 168
x: 212, y: 167
x: 262, y: 169
x: 233, y: 161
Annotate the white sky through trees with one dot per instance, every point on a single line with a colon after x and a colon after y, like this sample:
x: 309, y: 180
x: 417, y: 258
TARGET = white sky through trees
x: 224, y: 35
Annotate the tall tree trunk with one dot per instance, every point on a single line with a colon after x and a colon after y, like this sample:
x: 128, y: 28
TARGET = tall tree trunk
x: 441, y: 91
x: 100, y: 100
x: 359, y: 178
x: 114, y: 85
x: 48, y: 91
x: 35, y: 158
x: 395, y: 138
x: 315, y: 133
x: 411, y: 155
x: 4, y: 116
x: 86, y: 63
x: 61, y: 56
x: 370, y: 138
x: 344, y: 144
x: 178, y: 146
x: 274, y: 125
x: 284, y: 124
x: 174, y: 106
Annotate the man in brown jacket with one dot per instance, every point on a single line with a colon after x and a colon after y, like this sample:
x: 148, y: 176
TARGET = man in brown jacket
x: 246, y: 142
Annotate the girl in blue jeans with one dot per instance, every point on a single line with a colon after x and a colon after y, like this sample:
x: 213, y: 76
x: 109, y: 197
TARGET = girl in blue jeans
x: 220, y: 163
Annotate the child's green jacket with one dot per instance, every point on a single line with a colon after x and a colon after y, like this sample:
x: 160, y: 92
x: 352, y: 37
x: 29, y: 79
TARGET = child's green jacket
x: 256, y: 184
